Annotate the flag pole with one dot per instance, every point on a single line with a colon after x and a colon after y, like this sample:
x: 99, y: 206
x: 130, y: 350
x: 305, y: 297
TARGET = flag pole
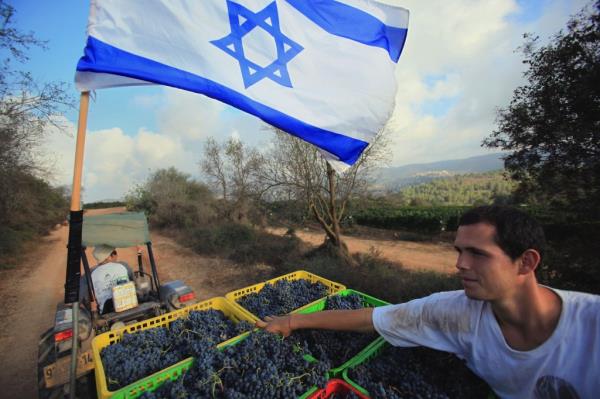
x: 78, y: 168
x: 75, y: 232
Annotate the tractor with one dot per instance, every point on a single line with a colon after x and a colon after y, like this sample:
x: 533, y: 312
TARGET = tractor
x: 135, y: 298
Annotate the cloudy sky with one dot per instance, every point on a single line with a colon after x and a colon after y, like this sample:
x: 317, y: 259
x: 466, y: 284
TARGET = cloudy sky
x: 458, y: 66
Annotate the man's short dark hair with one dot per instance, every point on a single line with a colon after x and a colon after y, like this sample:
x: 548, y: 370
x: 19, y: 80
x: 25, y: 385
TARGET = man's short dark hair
x: 516, y: 231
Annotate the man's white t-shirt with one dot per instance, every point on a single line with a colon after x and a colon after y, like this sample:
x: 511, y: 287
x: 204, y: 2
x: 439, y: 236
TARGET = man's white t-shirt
x: 106, y: 276
x: 566, y: 365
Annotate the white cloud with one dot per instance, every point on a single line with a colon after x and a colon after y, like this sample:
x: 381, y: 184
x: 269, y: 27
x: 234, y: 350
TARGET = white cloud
x: 113, y: 161
x: 460, y: 56
x: 148, y: 101
x: 235, y: 135
x: 189, y: 115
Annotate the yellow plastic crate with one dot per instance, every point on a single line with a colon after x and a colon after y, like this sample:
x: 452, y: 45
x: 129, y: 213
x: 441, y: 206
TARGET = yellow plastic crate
x: 234, y: 296
x: 111, y: 337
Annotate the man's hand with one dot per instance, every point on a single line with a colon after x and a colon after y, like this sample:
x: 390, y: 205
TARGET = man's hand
x: 277, y: 325
x: 359, y: 320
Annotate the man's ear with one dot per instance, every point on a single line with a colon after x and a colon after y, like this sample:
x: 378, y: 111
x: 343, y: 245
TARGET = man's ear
x: 530, y: 260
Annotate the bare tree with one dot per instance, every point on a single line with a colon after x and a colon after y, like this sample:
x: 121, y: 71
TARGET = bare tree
x: 232, y: 169
x: 213, y: 166
x: 294, y: 167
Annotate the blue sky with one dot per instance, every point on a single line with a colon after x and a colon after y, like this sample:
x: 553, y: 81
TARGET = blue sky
x: 457, y: 68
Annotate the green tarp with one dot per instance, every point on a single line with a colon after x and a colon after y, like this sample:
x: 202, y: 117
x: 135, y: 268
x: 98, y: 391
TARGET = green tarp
x: 119, y: 230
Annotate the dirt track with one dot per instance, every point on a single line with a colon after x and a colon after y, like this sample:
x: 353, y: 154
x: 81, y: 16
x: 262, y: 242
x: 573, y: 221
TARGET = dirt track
x: 438, y: 257
x: 29, y: 293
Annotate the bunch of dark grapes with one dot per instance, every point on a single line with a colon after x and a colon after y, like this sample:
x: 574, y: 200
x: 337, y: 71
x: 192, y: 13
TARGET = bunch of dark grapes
x: 261, y: 366
x: 282, y: 297
x: 145, y: 352
x: 200, y: 381
x: 449, y: 373
x: 336, y: 347
x: 417, y: 373
x: 137, y: 355
x: 211, y: 325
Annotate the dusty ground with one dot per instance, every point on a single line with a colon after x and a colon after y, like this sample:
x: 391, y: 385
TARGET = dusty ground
x: 438, y: 257
x: 29, y: 292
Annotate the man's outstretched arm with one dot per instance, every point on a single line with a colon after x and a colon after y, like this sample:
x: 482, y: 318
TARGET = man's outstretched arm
x: 360, y: 320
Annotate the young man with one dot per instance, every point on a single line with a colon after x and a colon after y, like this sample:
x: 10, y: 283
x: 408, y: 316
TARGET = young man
x: 524, y: 339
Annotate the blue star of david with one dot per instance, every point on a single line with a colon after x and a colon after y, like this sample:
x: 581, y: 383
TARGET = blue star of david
x: 267, y: 19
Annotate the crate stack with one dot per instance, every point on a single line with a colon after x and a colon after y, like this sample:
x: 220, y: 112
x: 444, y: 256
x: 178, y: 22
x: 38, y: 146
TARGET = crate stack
x: 232, y: 309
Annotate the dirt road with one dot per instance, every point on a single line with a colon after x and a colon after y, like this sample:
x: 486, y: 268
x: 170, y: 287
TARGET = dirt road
x: 438, y: 257
x: 28, y: 298
x: 29, y: 293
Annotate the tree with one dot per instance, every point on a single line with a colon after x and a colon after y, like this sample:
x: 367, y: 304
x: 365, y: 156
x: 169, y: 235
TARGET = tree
x: 296, y: 169
x: 26, y: 109
x: 552, y: 125
x: 28, y: 204
x: 232, y: 170
x: 172, y: 199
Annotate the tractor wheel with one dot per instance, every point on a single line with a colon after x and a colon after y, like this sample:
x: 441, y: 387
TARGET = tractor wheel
x: 86, y: 387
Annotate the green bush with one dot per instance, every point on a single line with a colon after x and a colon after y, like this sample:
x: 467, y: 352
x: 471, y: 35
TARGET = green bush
x: 292, y: 211
x: 428, y: 220
x: 104, y: 204
x: 29, y: 208
x: 172, y: 199
x: 243, y: 244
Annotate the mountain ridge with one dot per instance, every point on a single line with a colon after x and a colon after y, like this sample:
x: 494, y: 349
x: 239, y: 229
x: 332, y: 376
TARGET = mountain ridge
x: 395, y: 177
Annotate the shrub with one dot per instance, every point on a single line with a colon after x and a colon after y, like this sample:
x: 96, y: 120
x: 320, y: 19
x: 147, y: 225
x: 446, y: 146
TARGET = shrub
x: 31, y: 209
x: 171, y: 198
x: 428, y: 220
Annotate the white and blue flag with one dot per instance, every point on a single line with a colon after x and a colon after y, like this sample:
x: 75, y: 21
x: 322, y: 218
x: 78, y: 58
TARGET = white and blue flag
x: 321, y: 70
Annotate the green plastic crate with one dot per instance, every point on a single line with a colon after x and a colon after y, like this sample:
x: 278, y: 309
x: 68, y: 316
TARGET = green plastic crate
x: 369, y: 353
x: 368, y: 301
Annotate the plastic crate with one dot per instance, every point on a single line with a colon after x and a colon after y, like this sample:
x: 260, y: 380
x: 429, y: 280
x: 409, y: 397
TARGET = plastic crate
x: 111, y: 337
x: 368, y: 301
x: 234, y: 296
x: 336, y: 386
x: 369, y: 353
x: 174, y: 372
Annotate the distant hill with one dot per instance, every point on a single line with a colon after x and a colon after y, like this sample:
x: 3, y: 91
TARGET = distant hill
x: 462, y: 190
x: 392, y: 179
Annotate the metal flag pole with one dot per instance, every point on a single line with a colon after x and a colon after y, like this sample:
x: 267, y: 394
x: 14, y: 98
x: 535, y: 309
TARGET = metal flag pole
x: 75, y: 231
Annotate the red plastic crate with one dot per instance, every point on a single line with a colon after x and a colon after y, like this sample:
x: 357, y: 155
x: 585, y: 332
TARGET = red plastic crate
x: 337, y: 386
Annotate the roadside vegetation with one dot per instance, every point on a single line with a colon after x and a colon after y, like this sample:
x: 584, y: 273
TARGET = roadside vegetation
x: 29, y: 205
x: 103, y: 204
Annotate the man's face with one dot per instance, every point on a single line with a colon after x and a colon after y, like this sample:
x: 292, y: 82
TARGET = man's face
x: 487, y: 272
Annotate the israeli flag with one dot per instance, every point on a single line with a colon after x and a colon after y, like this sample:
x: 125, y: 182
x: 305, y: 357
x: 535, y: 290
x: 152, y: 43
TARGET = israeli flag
x: 321, y: 70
